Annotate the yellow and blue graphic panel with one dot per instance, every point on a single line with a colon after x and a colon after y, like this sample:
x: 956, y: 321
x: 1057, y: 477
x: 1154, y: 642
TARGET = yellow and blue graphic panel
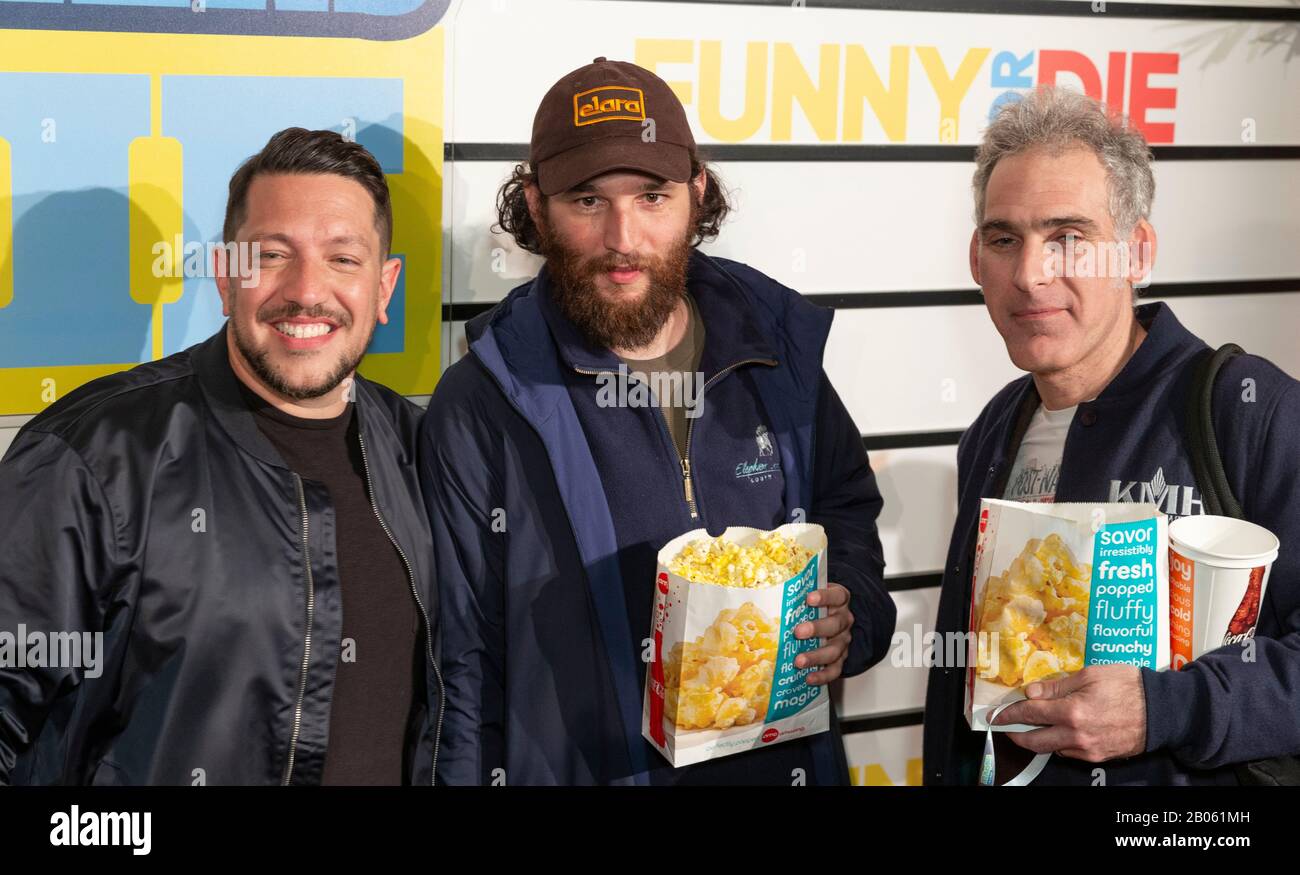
x: 120, y: 126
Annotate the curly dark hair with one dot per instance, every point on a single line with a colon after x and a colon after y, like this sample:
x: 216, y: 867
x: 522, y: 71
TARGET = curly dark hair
x: 514, y: 219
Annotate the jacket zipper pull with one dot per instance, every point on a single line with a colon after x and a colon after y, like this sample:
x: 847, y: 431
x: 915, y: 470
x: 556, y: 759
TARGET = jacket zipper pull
x: 690, y: 495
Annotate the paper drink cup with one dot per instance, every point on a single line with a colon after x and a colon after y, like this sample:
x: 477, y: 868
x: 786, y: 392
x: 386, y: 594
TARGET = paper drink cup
x: 1218, y: 573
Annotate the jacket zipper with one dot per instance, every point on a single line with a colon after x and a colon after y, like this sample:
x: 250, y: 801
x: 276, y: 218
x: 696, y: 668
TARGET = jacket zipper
x: 686, y: 478
x: 428, y: 628
x: 306, y: 650
x: 688, y: 489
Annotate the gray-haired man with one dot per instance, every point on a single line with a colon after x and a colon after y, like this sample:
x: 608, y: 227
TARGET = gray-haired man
x: 1063, y: 194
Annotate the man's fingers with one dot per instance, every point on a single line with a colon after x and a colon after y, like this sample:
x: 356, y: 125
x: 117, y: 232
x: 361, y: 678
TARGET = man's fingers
x: 830, y: 658
x: 832, y: 651
x: 833, y: 629
x: 1038, y: 712
x: 827, y: 627
x: 826, y: 675
x: 1043, y: 690
x: 1045, y: 740
x: 832, y: 596
x: 1056, y: 688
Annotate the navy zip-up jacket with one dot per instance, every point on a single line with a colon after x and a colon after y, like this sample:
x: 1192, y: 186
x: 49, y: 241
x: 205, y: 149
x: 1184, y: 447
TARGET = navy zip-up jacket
x: 1129, y: 445
x: 549, y: 506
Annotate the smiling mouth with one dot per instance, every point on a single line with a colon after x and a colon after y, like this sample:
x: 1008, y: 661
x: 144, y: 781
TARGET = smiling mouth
x: 304, y: 330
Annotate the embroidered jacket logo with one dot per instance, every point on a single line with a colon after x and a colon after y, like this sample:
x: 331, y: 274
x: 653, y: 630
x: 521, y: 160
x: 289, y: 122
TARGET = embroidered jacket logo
x: 1174, y: 499
x: 764, y: 466
x: 607, y: 103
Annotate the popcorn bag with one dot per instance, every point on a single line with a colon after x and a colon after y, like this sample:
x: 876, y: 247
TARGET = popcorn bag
x: 1061, y: 586
x: 723, y: 677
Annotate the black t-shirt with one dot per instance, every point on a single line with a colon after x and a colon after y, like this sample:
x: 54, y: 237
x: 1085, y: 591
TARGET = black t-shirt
x: 375, y: 681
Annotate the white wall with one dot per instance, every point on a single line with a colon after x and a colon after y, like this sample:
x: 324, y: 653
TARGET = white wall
x: 9, y: 430
x: 826, y: 227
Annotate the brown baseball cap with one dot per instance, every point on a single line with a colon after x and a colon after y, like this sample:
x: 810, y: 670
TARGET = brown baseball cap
x: 609, y: 115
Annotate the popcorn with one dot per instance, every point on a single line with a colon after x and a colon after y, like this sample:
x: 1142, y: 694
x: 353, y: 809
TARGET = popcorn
x: 734, y: 657
x: 723, y: 677
x: 772, y: 559
x: 1036, y: 611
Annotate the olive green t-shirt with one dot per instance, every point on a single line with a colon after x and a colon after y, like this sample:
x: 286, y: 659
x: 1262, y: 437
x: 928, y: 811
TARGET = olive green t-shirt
x: 675, y: 372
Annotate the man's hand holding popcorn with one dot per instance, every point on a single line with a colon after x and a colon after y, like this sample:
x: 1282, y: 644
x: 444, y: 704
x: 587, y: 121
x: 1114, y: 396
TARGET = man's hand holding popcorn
x: 835, y: 629
x: 1096, y: 714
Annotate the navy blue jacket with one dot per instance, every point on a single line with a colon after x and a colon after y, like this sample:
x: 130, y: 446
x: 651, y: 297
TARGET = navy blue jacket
x: 1219, y: 709
x: 548, y: 509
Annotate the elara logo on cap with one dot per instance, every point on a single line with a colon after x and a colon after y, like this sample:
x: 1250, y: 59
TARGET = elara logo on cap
x: 607, y: 103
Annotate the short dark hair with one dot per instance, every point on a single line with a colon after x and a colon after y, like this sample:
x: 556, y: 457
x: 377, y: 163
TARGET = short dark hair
x: 298, y: 150
x: 514, y: 219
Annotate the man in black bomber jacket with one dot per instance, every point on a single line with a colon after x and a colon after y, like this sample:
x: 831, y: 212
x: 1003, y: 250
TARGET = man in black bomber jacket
x: 217, y: 567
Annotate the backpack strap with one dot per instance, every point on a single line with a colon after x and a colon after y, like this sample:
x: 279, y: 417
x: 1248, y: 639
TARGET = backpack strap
x: 1207, y: 464
x: 1217, y: 499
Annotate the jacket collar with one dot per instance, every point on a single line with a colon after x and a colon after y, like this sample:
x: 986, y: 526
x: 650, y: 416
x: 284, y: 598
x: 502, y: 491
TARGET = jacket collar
x: 732, y: 332
x: 1167, y: 345
x: 747, y: 315
x: 211, y: 363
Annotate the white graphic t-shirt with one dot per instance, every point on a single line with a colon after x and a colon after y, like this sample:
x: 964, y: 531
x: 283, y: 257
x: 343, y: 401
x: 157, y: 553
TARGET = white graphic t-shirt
x: 1038, y: 461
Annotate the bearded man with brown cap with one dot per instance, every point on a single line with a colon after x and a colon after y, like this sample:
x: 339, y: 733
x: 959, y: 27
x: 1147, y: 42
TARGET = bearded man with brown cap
x: 634, y: 390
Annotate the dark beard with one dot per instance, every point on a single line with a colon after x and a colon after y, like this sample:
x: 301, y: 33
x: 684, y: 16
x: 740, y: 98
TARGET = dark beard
x: 259, y: 359
x: 615, y: 325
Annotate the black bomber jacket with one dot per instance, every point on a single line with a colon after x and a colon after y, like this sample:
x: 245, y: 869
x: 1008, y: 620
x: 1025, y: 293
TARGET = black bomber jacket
x: 147, y: 513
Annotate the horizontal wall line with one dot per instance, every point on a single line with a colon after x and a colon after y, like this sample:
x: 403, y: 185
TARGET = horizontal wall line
x: 1221, y: 287
x: 910, y: 440
x: 1075, y: 8
x: 465, y: 312
x: 882, y: 300
x: 869, y: 153
x: 908, y: 582
x: 951, y: 297
x: 885, y: 721
x: 454, y: 312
